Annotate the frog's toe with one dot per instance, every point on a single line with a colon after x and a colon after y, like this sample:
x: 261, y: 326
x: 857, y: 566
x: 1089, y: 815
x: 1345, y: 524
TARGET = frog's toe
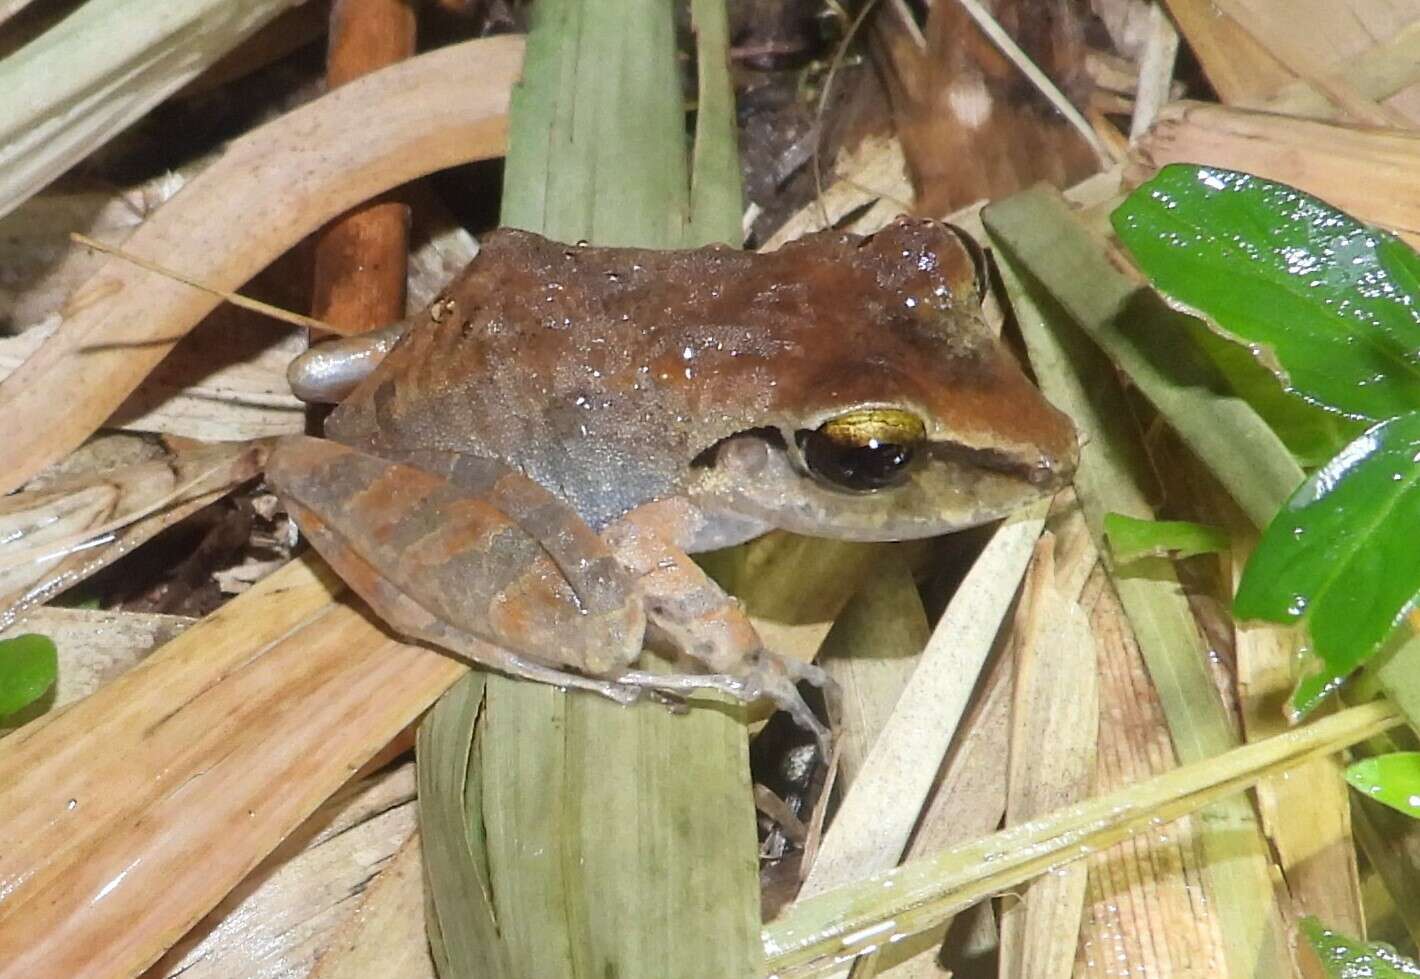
x: 808, y: 672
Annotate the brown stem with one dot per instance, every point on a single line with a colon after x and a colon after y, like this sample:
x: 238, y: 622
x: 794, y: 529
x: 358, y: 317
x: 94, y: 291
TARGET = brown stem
x: 361, y: 258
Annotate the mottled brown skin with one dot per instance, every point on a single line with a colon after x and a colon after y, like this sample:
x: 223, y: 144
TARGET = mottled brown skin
x: 524, y: 470
x: 602, y: 372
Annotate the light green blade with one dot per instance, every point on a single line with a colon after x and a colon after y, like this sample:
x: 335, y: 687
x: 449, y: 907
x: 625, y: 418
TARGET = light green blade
x: 615, y: 841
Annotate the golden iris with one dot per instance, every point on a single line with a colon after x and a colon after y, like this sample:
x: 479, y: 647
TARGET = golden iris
x: 865, y: 449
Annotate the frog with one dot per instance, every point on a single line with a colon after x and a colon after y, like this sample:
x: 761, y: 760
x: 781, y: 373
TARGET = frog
x: 520, y: 473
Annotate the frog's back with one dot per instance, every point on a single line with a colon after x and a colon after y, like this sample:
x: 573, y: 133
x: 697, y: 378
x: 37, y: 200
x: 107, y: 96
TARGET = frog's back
x: 603, y: 372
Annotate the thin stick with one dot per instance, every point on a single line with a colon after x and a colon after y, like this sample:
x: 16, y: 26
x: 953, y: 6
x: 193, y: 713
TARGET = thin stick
x: 822, y: 106
x: 236, y: 299
x: 361, y: 259
x: 1038, y: 78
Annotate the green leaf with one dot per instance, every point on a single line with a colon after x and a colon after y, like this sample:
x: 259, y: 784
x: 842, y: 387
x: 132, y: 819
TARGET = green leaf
x: 1311, y: 434
x: 1131, y: 538
x: 1340, y: 558
x: 29, y: 665
x: 1393, y: 779
x: 1347, y: 958
x: 1324, y: 301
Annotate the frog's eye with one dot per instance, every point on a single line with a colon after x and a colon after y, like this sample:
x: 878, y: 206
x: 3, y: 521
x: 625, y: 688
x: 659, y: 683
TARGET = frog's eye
x: 867, y: 449
x: 978, y: 260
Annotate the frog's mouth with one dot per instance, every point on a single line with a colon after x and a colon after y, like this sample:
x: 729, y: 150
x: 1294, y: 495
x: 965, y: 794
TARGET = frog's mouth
x: 761, y: 478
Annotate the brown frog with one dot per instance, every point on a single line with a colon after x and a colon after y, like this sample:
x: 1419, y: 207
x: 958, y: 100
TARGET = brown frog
x: 519, y: 472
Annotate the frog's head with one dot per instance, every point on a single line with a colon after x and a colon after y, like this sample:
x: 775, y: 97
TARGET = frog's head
x: 902, y: 417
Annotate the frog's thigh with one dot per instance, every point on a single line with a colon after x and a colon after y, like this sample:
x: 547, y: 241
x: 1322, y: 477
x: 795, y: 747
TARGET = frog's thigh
x: 594, y: 573
x: 433, y: 558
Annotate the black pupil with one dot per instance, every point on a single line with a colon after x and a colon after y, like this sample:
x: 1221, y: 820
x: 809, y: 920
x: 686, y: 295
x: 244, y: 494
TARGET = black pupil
x: 860, y: 467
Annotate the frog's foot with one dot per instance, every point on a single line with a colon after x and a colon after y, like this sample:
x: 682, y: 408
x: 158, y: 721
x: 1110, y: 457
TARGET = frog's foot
x: 683, y: 684
x: 777, y: 676
x: 622, y: 691
x: 768, y: 681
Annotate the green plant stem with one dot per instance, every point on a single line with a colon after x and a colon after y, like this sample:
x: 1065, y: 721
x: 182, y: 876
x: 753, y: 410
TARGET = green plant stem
x: 812, y: 936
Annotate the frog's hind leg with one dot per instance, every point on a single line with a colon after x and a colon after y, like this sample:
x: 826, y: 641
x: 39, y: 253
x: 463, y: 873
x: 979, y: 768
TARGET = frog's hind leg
x: 453, y: 567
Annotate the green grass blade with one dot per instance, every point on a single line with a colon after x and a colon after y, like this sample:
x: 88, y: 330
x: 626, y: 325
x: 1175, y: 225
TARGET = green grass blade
x: 462, y: 932
x: 1131, y: 538
x: 815, y: 936
x: 618, y: 841
x: 1077, y: 378
x: 716, y: 197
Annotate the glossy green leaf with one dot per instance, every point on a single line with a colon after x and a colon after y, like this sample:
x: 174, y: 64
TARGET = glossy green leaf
x: 1393, y: 779
x: 29, y: 665
x: 1131, y: 538
x: 1324, y: 301
x: 1347, y: 958
x: 1340, y: 557
x: 1310, y: 433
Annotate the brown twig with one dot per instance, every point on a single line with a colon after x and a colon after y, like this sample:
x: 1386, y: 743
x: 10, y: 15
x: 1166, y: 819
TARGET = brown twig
x: 361, y: 258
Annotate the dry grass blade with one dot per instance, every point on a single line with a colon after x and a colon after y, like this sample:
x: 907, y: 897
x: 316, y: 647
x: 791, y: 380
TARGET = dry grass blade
x: 1292, y: 41
x: 1076, y: 377
x: 1250, y: 63
x: 1155, y: 71
x: 247, y: 397
x: 1307, y: 814
x: 144, y: 804
x: 385, y: 938
x: 1055, y: 723
x: 94, y: 648
x: 226, y: 296
x: 70, y: 90
x: 819, y: 935
x: 1379, y: 72
x: 297, y: 911
x: 871, y: 652
x: 268, y: 190
x: 1144, y: 914
x: 872, y: 826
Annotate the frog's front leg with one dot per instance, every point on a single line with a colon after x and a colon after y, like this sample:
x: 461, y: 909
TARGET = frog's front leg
x: 697, y: 615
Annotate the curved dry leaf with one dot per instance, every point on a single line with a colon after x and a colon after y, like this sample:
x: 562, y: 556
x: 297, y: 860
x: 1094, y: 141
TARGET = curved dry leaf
x: 267, y: 191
